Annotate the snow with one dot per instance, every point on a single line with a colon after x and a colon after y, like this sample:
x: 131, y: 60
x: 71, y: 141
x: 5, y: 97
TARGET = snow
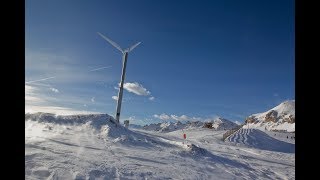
x: 260, y: 140
x: 218, y: 123
x: 286, y: 107
x: 273, y: 126
x: 165, y: 127
x: 94, y: 147
x: 223, y: 124
x: 283, y: 110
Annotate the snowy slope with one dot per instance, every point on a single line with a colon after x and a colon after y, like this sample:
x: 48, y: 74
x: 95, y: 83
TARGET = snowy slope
x: 93, y: 147
x: 260, y: 140
x: 281, y: 118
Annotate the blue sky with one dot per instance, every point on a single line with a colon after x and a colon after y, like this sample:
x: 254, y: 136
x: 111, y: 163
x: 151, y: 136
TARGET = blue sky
x: 197, y: 60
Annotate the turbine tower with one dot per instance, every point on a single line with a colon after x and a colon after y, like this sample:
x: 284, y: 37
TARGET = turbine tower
x: 124, y: 61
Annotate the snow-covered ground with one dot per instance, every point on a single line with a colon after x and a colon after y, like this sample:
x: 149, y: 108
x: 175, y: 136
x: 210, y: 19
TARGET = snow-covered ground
x: 93, y: 147
x: 260, y: 140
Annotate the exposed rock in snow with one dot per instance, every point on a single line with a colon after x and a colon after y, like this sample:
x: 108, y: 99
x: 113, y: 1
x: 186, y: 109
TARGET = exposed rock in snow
x: 281, y: 118
x: 223, y: 124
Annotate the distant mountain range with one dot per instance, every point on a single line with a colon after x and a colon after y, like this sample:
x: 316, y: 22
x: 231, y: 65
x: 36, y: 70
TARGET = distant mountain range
x: 217, y: 124
x: 279, y: 118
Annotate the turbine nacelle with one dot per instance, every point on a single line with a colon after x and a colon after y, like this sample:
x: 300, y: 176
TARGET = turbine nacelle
x: 117, y: 46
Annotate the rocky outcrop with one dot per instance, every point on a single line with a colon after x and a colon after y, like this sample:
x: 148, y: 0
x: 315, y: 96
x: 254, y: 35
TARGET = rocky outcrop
x: 291, y: 119
x: 281, y: 117
x: 250, y: 119
x: 271, y: 116
x: 208, y: 125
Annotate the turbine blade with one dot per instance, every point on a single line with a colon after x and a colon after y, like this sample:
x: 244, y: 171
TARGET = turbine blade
x: 111, y: 42
x: 134, y: 46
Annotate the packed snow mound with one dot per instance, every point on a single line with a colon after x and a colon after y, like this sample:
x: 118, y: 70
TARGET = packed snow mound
x: 95, y: 120
x: 197, y: 150
x: 279, y: 118
x: 103, y: 126
x: 257, y: 139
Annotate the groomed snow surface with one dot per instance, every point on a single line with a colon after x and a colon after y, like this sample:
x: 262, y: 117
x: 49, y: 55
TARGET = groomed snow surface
x: 94, y: 147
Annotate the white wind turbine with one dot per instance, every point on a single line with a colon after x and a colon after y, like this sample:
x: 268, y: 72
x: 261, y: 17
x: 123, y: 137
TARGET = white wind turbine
x: 124, y: 59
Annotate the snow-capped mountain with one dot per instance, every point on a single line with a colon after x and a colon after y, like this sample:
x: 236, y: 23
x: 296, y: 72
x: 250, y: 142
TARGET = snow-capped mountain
x: 217, y: 124
x: 223, y: 124
x: 281, y: 117
x: 165, y: 127
x: 135, y: 126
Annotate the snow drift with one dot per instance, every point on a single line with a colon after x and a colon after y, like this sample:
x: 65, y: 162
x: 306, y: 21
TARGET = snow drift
x: 102, y: 125
x: 94, y: 147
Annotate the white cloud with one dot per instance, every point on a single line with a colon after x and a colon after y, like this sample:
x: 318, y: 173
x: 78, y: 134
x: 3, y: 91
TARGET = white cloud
x: 60, y: 68
x: 196, y: 119
x: 33, y: 99
x: 54, y: 90
x: 136, y: 88
x: 237, y: 122
x: 56, y: 110
x: 151, y: 98
x: 275, y: 94
x: 92, y: 99
x: 115, y: 97
x: 37, y: 100
x: 40, y: 80
x: 162, y: 116
x: 131, y: 118
x: 29, y: 89
x: 35, y: 96
x: 31, y: 95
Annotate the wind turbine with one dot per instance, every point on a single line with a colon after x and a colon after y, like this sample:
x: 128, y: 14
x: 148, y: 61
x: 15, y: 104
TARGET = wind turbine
x: 124, y: 61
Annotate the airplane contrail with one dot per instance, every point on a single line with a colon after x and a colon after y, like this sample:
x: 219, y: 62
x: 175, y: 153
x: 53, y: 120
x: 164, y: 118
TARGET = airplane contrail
x: 41, y: 79
x: 38, y: 84
x: 99, y: 68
